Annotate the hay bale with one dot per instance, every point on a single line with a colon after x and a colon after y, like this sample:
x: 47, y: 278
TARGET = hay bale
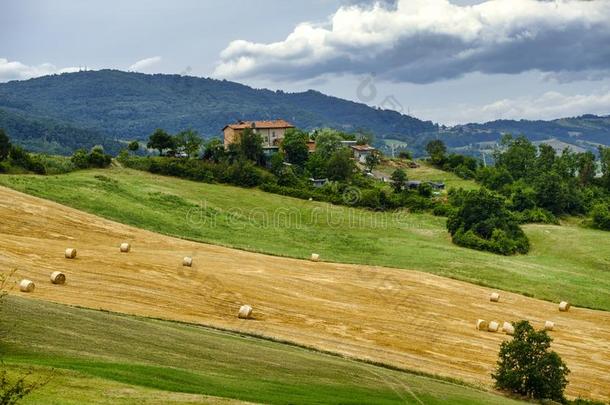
x: 315, y: 257
x: 245, y: 312
x: 564, y: 306
x: 482, y: 324
x: 493, y: 326
x: 549, y: 326
x: 494, y: 297
x: 57, y: 277
x: 26, y: 286
x: 125, y: 247
x: 508, y: 328
x: 187, y: 261
x: 70, y: 253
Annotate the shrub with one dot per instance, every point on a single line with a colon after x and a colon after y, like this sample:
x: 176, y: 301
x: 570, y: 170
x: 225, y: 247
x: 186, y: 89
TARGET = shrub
x: 601, y: 216
x: 482, y: 221
x: 527, y: 367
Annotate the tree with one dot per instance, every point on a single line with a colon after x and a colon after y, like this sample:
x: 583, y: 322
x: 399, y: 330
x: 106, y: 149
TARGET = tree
x: 80, y: 159
x: 517, y: 155
x: 327, y: 142
x: 482, y: 221
x: 295, y: 146
x: 214, y: 150
x: 188, y: 141
x: 372, y: 160
x: 251, y: 146
x: 134, y: 146
x: 316, y: 165
x: 5, y: 145
x: 527, y: 367
x: 600, y: 214
x: 398, y: 177
x: 340, y: 166
x: 586, y: 168
x: 437, y: 150
x: 98, y: 158
x: 604, y: 158
x: 161, y: 141
x: 546, y: 158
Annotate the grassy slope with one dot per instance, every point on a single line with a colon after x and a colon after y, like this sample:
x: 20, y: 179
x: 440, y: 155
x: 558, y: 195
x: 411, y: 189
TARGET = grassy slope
x: 97, y: 354
x: 566, y: 262
x: 425, y: 172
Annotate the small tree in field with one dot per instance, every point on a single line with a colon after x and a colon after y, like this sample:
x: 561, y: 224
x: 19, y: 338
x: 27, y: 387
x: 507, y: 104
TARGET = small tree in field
x: 372, y: 160
x: 398, y: 179
x: 161, y: 141
x: 527, y: 367
x: 133, y: 146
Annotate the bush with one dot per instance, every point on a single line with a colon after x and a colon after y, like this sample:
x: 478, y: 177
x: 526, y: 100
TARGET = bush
x: 600, y: 215
x: 527, y: 367
x: 482, y: 221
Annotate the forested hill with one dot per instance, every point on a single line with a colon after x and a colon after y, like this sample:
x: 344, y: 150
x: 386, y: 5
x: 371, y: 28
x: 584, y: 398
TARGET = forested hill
x: 60, y: 113
x: 131, y: 105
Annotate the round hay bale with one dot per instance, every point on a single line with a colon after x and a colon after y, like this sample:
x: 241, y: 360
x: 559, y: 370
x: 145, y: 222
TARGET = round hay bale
x: 187, y: 261
x: 245, y: 312
x: 494, y: 297
x: 549, y: 326
x: 315, y: 257
x: 508, y: 328
x: 493, y: 326
x: 564, y: 306
x: 26, y: 286
x: 482, y: 324
x: 125, y: 247
x: 70, y: 253
x: 57, y: 277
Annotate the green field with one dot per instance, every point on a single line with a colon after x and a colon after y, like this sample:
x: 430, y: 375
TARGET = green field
x: 565, y: 263
x: 425, y: 172
x: 103, y: 358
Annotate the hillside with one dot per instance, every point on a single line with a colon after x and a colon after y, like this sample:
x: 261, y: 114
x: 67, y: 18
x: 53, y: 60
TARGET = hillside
x: 131, y: 105
x: 565, y: 261
x: 187, y: 364
x: 49, y: 136
x: 61, y: 112
x: 579, y: 133
x: 406, y: 319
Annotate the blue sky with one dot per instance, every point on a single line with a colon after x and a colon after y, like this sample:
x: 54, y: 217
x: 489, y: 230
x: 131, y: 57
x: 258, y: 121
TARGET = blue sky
x: 435, y: 59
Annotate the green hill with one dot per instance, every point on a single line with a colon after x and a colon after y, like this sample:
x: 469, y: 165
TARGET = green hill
x: 565, y: 263
x: 105, y: 358
x: 131, y: 105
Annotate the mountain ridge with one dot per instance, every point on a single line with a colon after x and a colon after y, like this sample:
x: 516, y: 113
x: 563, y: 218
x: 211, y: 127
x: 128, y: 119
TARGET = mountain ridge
x: 111, y: 106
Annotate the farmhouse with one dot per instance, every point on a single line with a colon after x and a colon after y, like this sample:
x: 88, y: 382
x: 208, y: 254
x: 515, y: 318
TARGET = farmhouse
x: 361, y: 152
x: 272, y: 132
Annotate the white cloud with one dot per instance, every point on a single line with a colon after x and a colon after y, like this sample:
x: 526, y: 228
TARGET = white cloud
x: 422, y: 41
x: 145, y: 64
x: 13, y: 70
x: 547, y: 106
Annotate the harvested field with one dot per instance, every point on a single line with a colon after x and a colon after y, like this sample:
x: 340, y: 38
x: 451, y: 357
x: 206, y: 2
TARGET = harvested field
x: 403, y: 318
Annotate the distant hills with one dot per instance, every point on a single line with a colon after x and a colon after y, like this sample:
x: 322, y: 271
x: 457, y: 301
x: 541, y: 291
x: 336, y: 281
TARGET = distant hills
x: 60, y: 113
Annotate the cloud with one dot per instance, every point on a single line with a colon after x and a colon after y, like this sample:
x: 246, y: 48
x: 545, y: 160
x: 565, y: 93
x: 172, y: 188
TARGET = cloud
x: 550, y: 105
x: 423, y: 41
x: 13, y: 70
x: 145, y: 64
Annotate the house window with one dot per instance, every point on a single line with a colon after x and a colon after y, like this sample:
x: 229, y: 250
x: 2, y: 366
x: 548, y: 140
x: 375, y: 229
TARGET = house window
x: 273, y: 134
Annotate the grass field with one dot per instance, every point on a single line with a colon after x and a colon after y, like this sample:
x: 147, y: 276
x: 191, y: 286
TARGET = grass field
x: 425, y: 172
x: 105, y: 358
x: 565, y: 262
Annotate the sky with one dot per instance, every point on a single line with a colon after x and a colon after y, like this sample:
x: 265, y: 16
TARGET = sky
x: 449, y: 61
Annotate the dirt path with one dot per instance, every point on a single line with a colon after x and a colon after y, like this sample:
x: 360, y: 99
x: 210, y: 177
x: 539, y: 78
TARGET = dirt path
x: 404, y: 318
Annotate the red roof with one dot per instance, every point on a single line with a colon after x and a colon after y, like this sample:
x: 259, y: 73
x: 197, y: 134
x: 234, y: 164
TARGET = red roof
x: 274, y: 124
